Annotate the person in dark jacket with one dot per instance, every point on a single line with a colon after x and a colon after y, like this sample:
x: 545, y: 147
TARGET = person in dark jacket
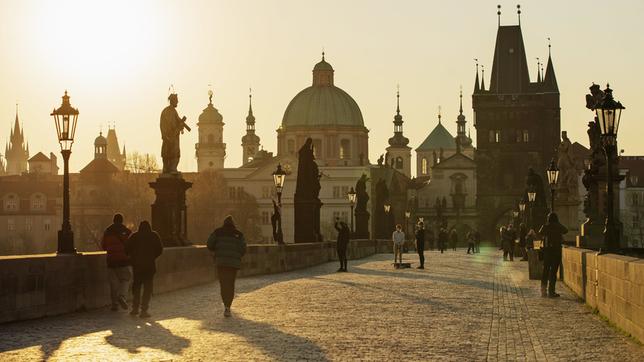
x: 523, y: 233
x: 453, y: 239
x: 420, y: 244
x: 442, y: 239
x: 143, y: 247
x: 507, y: 242
x: 118, y: 263
x: 470, y: 242
x: 229, y: 246
x: 344, y: 234
x: 552, y: 232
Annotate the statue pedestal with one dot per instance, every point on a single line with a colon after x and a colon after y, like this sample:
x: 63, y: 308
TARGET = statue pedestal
x: 307, y: 220
x: 568, y: 212
x: 169, y: 212
x: 362, y: 225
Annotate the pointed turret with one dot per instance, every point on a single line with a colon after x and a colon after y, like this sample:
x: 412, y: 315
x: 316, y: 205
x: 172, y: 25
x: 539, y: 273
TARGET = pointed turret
x: 399, y: 152
x: 510, y: 68
x: 17, y: 151
x: 398, y: 140
x: 549, y: 78
x: 538, y: 71
x: 250, y: 141
x: 482, y: 78
x: 462, y: 139
x: 476, y: 80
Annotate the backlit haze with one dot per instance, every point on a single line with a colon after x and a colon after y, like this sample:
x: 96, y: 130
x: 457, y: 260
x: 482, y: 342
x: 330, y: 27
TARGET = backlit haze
x: 117, y: 60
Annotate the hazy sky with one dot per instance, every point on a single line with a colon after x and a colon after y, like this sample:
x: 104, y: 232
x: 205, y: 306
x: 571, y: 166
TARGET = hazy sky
x: 117, y: 59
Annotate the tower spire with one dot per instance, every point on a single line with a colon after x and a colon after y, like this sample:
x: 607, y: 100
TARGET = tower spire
x: 460, y: 109
x: 439, y: 115
x: 476, y: 81
x: 519, y: 13
x: 498, y: 13
x: 398, y: 99
x: 482, y: 78
x: 538, y: 70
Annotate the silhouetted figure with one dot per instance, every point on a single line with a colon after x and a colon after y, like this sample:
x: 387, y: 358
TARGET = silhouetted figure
x: 523, y: 233
x: 398, y: 237
x: 118, y: 263
x: 229, y: 246
x: 143, y: 247
x: 278, y: 236
x: 420, y: 244
x: 362, y: 215
x: 171, y: 127
x: 477, y: 241
x: 342, y: 243
x: 508, y: 236
x: 471, y: 239
x: 306, y: 200
x: 453, y: 239
x: 552, y: 232
x: 442, y: 239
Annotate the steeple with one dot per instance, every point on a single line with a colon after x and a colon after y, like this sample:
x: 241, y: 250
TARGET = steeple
x: 538, y: 70
x: 549, y: 78
x: 17, y: 150
x: 250, y: 141
x: 462, y: 140
x: 476, y: 80
x: 398, y: 139
x: 323, y: 73
x: 510, y: 69
x: 482, y: 78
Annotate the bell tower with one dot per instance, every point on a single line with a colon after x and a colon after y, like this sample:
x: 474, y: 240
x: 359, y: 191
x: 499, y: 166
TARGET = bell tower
x: 399, y: 152
x: 210, y: 150
x: 250, y: 141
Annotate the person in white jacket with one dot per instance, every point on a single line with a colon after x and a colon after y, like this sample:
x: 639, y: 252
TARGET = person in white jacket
x: 398, y: 238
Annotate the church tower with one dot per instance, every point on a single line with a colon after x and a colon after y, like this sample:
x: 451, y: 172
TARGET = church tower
x: 518, y: 126
x: 100, y: 147
x: 113, y: 151
x: 463, y: 141
x: 250, y: 141
x: 399, y: 154
x: 16, y: 151
x: 210, y: 150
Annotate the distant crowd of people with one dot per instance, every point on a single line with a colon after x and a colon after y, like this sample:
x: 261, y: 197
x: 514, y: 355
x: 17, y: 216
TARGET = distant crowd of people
x: 131, y: 257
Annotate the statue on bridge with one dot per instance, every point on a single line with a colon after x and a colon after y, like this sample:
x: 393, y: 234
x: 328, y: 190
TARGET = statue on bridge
x: 362, y: 215
x: 171, y: 128
x: 568, y: 174
x: 306, y: 201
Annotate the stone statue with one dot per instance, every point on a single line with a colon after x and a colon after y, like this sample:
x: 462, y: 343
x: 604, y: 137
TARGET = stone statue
x: 381, y: 159
x: 278, y: 236
x: 308, y: 174
x: 171, y: 128
x: 568, y: 182
x: 306, y: 201
x: 383, y: 229
x: 362, y: 215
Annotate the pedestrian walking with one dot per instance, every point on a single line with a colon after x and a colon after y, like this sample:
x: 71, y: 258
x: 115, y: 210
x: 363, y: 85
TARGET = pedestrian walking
x: 442, y: 239
x: 470, y: 242
x: 453, y: 239
x: 229, y: 247
x: 477, y: 241
x: 344, y: 234
x: 420, y: 244
x: 507, y: 242
x: 552, y: 233
x: 398, y: 237
x: 523, y: 233
x: 118, y: 263
x: 143, y: 248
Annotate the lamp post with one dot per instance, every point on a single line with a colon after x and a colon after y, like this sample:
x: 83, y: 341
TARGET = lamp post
x: 553, y: 175
x: 351, y: 195
x: 279, y: 176
x: 608, y: 113
x: 65, y: 118
x: 407, y: 216
x: 387, y: 207
x: 531, y: 197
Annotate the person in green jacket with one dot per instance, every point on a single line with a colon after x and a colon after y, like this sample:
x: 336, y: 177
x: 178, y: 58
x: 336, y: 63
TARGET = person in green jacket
x: 229, y: 246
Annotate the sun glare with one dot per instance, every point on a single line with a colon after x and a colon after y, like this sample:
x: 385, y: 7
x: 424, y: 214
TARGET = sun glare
x: 90, y: 39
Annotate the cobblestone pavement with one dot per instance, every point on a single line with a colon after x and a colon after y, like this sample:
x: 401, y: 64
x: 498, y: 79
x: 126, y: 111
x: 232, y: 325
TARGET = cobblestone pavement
x: 462, y: 307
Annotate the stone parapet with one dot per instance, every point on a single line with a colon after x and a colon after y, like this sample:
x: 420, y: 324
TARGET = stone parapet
x: 34, y: 286
x: 613, y: 284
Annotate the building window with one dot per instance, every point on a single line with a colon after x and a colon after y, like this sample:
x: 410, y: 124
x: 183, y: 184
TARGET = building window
x: 47, y: 224
x: 636, y: 221
x: 28, y: 224
x: 342, y: 215
x: 345, y: 191
x: 399, y: 163
x: 11, y: 225
x: 526, y: 136
x: 266, y: 219
x: 336, y: 192
x: 231, y: 192
x: 497, y: 136
x: 265, y: 192
x: 38, y: 202
x: 290, y: 146
x: 11, y: 202
x: 317, y: 148
x: 423, y: 166
x: 345, y: 149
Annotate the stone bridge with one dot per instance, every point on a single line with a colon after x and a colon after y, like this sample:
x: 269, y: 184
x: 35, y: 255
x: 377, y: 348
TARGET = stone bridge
x: 461, y: 307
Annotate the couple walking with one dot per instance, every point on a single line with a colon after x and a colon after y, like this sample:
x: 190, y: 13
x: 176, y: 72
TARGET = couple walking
x: 398, y: 238
x: 138, y: 250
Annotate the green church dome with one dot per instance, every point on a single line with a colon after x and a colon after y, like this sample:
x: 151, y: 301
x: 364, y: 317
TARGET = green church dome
x: 322, y: 104
x: 437, y: 139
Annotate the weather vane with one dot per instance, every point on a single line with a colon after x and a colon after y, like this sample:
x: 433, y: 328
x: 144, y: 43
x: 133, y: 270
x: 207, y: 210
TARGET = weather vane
x: 210, y: 93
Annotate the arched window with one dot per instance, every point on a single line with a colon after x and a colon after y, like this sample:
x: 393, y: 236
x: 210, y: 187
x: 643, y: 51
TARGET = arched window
x: 399, y: 163
x: 38, y: 202
x: 345, y: 149
x: 423, y: 166
x: 211, y: 138
x: 11, y: 202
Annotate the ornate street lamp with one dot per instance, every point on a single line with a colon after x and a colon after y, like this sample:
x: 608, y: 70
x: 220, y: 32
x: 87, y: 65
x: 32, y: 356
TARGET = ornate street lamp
x: 407, y: 216
x: 387, y: 208
x: 279, y: 176
x: 522, y: 210
x: 609, y: 113
x: 65, y: 118
x: 553, y: 176
x: 351, y: 195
